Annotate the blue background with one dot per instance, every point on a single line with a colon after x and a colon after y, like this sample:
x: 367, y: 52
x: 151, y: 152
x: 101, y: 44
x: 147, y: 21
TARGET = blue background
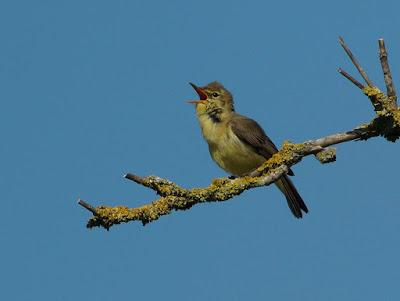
x: 91, y: 90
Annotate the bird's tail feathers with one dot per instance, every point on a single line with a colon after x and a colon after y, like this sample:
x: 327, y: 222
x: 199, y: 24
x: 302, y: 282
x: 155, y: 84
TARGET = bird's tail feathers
x: 294, y: 200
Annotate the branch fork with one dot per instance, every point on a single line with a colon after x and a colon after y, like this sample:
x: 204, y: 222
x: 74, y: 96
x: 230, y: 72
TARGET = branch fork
x: 386, y: 123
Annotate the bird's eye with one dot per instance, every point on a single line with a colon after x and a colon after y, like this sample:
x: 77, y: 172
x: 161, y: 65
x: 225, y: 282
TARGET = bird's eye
x: 215, y: 94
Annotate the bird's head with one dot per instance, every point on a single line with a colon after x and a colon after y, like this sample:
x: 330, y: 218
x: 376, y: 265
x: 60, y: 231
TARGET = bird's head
x: 214, y: 99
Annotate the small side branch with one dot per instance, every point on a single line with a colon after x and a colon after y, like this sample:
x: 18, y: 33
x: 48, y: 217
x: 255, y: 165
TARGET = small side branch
x: 350, y: 78
x: 355, y: 62
x: 383, y: 104
x: 87, y: 206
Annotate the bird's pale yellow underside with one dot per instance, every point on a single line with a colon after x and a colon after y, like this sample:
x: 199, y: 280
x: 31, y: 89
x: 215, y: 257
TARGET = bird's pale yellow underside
x: 231, y: 154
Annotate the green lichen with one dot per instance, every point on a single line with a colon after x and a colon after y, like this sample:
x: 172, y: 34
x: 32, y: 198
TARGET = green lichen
x: 381, y: 102
x: 387, y: 120
x: 107, y: 216
x: 290, y: 154
x: 219, y: 190
x: 374, y: 92
x: 327, y: 155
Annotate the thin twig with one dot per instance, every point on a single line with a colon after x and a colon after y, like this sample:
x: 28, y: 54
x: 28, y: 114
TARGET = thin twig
x: 350, y: 78
x: 87, y: 206
x: 134, y: 178
x: 355, y: 62
x: 391, y: 91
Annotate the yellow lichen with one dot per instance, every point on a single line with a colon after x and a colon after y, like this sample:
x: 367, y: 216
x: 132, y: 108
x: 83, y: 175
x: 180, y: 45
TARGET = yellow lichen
x: 373, y: 92
x: 327, y: 155
x: 289, y: 154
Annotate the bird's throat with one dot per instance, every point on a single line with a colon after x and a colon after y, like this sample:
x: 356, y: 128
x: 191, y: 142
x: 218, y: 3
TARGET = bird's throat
x: 215, y: 115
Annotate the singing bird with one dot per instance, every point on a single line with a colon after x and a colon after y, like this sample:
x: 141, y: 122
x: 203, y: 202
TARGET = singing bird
x: 237, y: 143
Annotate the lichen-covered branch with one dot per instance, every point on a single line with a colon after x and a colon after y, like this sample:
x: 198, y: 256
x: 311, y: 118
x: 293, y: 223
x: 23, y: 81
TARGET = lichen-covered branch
x: 386, y: 123
x: 174, y: 197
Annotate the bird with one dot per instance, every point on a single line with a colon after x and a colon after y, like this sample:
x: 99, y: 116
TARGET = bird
x: 238, y: 144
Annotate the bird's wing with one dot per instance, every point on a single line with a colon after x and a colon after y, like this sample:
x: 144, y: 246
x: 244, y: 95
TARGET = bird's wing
x: 251, y: 133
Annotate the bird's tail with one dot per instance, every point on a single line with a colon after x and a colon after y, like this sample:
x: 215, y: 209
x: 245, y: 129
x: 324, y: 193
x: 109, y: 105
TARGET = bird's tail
x: 294, y: 200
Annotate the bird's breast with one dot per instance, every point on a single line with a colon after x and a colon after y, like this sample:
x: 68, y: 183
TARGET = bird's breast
x: 227, y: 150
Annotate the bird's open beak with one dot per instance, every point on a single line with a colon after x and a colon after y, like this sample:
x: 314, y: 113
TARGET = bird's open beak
x: 203, y: 95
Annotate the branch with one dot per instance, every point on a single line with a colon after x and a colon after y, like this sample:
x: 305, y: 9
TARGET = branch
x: 355, y: 62
x: 391, y: 91
x: 386, y: 123
x: 350, y: 78
x: 87, y: 206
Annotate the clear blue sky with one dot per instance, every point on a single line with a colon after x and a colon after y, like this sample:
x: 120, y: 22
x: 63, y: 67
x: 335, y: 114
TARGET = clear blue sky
x: 91, y: 90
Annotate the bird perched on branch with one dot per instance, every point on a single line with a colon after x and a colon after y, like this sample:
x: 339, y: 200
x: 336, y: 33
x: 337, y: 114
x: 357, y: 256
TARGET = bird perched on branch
x: 237, y: 143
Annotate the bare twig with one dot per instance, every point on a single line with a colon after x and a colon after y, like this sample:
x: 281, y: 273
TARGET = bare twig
x: 391, y: 91
x: 87, y: 206
x: 350, y: 78
x: 386, y: 123
x: 355, y: 62
x: 134, y: 178
x: 362, y: 132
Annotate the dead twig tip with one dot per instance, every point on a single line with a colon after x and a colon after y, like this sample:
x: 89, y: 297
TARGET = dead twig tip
x: 87, y: 206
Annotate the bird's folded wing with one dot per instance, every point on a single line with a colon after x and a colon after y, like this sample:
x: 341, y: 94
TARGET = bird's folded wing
x: 251, y: 133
